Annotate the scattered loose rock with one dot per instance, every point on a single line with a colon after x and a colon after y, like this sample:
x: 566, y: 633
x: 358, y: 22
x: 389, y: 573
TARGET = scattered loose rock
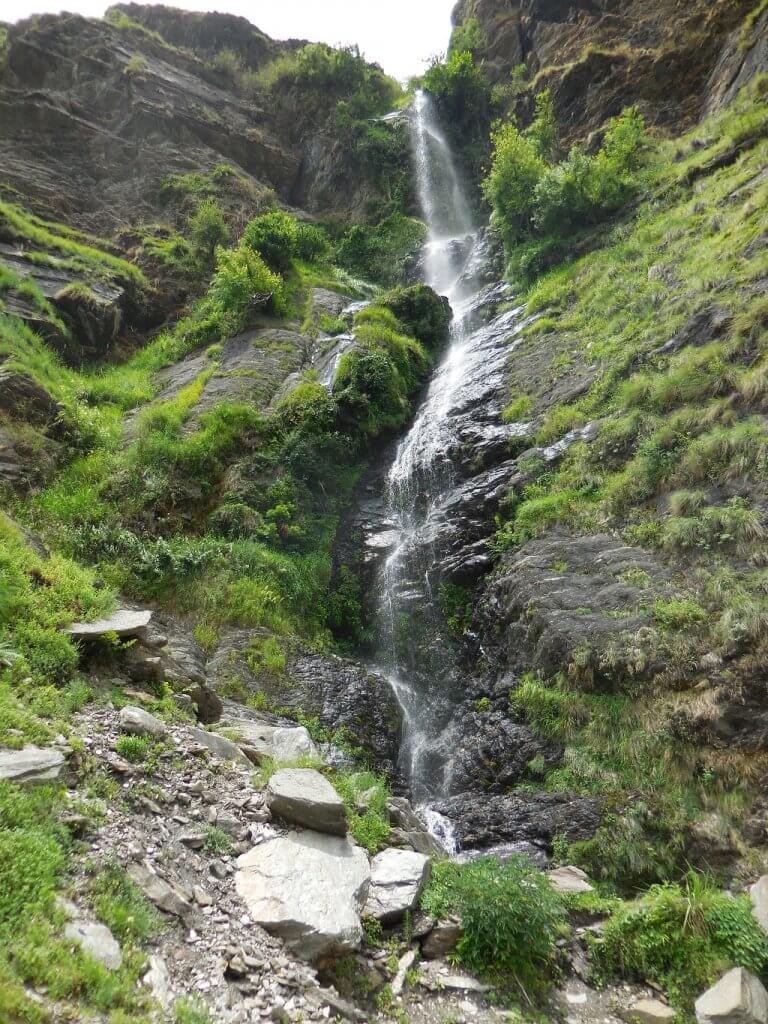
x: 219, y: 745
x: 138, y: 722
x: 397, y: 880
x: 442, y: 939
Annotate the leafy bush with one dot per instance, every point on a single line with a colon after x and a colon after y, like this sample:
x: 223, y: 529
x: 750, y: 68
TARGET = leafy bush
x: 426, y: 315
x: 380, y: 253
x: 533, y: 196
x: 682, y: 937
x: 370, y: 828
x: 241, y: 285
x: 275, y: 236
x: 462, y: 95
x: 511, y: 917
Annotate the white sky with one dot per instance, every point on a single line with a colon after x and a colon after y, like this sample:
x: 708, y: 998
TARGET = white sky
x: 401, y: 35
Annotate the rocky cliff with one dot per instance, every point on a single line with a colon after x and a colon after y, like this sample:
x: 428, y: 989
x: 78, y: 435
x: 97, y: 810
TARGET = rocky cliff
x: 674, y: 59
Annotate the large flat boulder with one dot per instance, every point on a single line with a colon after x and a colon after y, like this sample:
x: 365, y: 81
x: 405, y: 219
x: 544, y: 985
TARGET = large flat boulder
x: 738, y: 998
x: 97, y: 941
x: 30, y: 765
x: 397, y: 880
x: 307, y: 888
x: 124, y: 623
x: 304, y: 797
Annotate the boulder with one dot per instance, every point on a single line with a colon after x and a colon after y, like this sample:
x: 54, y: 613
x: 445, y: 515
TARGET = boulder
x: 758, y: 893
x: 30, y: 765
x: 308, y: 889
x: 158, y: 981
x: 138, y: 722
x: 569, y: 879
x: 97, y: 941
x: 397, y: 880
x: 442, y: 939
x: 302, y: 796
x: 219, y: 746
x: 649, y: 1011
x: 737, y: 998
x: 124, y: 623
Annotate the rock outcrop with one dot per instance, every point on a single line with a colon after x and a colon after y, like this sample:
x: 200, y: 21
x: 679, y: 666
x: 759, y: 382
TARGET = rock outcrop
x: 598, y: 57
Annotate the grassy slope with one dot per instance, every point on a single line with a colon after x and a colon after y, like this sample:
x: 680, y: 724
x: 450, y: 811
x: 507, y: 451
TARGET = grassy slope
x: 679, y: 467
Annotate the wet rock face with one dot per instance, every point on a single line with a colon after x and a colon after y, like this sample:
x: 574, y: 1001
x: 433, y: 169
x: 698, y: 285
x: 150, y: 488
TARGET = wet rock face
x: 534, y: 818
x: 342, y: 694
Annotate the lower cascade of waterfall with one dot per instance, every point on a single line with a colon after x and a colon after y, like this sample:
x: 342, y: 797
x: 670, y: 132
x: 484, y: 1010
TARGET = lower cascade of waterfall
x: 414, y: 651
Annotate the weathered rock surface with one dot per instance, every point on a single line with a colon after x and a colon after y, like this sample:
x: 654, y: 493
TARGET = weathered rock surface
x: 649, y: 1011
x: 97, y: 941
x: 309, y: 889
x: 219, y: 746
x: 397, y: 880
x: 260, y: 740
x: 340, y: 692
x: 304, y: 797
x: 737, y: 998
x: 532, y: 614
x: 758, y: 893
x: 123, y: 623
x: 30, y: 765
x: 442, y: 940
x: 138, y: 722
x: 597, y: 58
x: 569, y: 879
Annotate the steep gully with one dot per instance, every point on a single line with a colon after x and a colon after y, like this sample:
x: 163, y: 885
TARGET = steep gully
x: 422, y: 539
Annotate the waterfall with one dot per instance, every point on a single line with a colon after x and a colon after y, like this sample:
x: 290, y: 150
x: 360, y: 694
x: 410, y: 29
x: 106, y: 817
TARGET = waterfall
x: 415, y: 652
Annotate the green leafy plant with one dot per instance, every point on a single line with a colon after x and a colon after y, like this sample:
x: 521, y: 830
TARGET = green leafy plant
x: 681, y: 937
x: 511, y: 919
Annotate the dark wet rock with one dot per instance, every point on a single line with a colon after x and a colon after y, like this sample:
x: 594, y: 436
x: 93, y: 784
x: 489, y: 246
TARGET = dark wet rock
x: 342, y: 694
x: 12, y: 469
x: 24, y: 399
x: 561, y: 594
x: 493, y: 752
x: 702, y: 328
x: 518, y: 817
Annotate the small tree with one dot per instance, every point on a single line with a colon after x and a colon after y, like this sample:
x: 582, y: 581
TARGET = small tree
x: 208, y: 229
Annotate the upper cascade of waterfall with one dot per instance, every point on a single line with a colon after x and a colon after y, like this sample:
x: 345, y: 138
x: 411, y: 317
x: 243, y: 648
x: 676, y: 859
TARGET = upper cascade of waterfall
x: 442, y: 199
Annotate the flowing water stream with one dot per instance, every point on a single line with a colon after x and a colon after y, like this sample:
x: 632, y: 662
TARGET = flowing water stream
x: 414, y: 651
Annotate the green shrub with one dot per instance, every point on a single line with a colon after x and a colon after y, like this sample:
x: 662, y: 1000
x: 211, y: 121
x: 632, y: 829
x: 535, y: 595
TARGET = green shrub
x: 534, y: 198
x: 462, y: 95
x: 511, y: 917
x: 381, y: 252
x: 275, y: 236
x: 371, y: 828
x: 678, y: 613
x: 31, y: 863
x: 426, y: 315
x: 241, y: 285
x: 191, y: 1011
x: 682, y: 938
